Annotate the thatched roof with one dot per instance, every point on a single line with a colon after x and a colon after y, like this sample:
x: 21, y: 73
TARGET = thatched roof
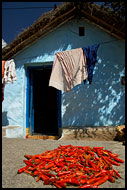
x: 62, y: 14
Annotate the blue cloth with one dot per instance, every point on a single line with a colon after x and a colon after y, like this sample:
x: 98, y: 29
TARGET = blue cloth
x: 91, y: 58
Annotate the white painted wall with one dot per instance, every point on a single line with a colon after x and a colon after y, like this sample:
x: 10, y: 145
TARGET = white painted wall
x: 101, y: 103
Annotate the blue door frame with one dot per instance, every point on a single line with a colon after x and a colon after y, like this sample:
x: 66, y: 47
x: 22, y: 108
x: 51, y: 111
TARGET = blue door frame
x: 29, y: 100
x: 31, y: 106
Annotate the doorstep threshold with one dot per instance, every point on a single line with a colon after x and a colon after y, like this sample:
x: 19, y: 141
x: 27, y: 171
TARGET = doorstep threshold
x: 44, y: 137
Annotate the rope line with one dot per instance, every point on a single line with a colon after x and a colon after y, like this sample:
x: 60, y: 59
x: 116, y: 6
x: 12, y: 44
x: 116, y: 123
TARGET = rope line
x: 109, y: 41
x: 96, y: 43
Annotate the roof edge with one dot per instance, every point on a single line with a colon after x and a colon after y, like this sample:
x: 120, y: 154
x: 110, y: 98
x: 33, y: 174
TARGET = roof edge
x: 51, y: 20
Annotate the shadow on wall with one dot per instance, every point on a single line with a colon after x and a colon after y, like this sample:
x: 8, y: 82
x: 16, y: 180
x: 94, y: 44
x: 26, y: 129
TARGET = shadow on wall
x: 98, y: 133
x: 5, y: 121
x: 47, y: 55
x: 99, y: 104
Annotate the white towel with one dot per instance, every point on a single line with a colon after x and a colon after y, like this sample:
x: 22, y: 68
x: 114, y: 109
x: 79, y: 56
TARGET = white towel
x: 69, y: 69
x: 9, y: 72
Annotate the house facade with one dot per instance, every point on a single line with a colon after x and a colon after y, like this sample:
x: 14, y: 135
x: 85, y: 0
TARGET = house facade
x: 34, y: 108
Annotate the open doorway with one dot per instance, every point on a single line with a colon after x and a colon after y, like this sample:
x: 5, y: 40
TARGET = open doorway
x: 43, y: 103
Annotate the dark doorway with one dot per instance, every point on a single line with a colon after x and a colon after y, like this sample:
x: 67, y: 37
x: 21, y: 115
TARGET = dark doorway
x: 45, y: 103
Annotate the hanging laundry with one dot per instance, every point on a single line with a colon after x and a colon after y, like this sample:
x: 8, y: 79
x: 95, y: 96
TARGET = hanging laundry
x: 69, y: 69
x: 91, y: 58
x: 9, y: 71
x: 3, y: 65
x: 8, y: 74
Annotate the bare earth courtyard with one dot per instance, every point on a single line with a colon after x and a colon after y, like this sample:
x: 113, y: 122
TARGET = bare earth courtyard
x: 13, y: 151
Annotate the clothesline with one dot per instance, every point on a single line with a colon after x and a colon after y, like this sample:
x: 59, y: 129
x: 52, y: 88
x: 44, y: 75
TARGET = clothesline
x: 96, y: 43
x: 109, y: 41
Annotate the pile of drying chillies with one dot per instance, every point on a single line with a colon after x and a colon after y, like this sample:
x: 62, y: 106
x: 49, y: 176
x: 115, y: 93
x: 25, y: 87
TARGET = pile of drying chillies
x: 80, y: 166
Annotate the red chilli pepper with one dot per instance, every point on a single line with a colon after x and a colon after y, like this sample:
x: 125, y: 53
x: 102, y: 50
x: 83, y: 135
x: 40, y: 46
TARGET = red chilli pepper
x: 59, y: 164
x: 45, y: 157
x: 49, y: 166
x: 38, y: 179
x: 27, y: 162
x: 88, y: 186
x: 58, y: 186
x: 90, y: 181
x: 107, y: 162
x: 63, y: 173
x: 23, y: 169
x: 117, y: 173
x: 92, y: 164
x: 62, y: 185
x: 83, y: 181
x: 110, y: 172
x: 61, y: 181
x: 28, y: 156
x: 58, y: 169
x: 61, y: 159
x: 37, y: 172
x: 32, y: 169
x: 117, y: 159
x: 44, y: 177
x: 111, y: 179
x: 51, y: 180
x: 26, y: 171
x: 100, y: 173
x: 54, y: 168
x: 42, y: 170
x: 73, y: 181
x: 103, y: 180
x: 48, y: 174
x: 91, y: 176
x: 98, y: 147
x: 91, y: 153
x: 112, y: 154
x: 35, y: 156
x: 112, y: 162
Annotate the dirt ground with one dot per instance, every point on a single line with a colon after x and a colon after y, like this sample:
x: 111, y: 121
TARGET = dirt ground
x: 13, y: 151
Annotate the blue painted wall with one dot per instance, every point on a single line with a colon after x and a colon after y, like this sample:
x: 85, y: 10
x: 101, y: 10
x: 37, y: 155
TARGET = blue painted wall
x: 100, y: 104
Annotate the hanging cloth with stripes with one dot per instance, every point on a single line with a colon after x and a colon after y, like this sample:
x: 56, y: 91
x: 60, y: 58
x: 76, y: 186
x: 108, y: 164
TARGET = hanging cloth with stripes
x: 69, y: 69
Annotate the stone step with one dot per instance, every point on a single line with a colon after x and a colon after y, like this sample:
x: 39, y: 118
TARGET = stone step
x: 11, y: 131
